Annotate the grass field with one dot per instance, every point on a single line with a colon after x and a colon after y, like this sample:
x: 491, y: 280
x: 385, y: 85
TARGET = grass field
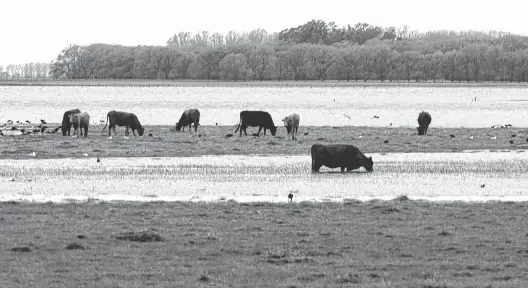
x: 213, y: 83
x: 395, y: 243
x: 211, y: 140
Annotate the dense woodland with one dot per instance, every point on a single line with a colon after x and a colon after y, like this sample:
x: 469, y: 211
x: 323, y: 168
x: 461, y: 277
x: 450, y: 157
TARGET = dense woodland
x: 315, y: 50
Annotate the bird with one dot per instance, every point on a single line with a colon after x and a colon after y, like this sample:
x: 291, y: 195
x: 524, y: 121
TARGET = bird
x: 452, y: 136
x: 150, y: 135
x: 483, y: 185
x: 85, y: 154
x: 43, y: 121
x: 231, y: 135
x: 32, y: 154
x: 14, y: 128
x: 290, y: 197
x: 98, y: 160
x: 27, y: 121
x: 471, y: 137
x: 494, y: 138
x: 511, y: 141
x: 347, y: 116
x: 102, y: 121
x: 513, y: 135
x: 109, y: 138
x: 216, y: 123
x: 386, y: 141
x: 126, y: 137
x: 390, y: 124
x: 306, y: 133
x: 508, y: 125
x: 376, y: 117
x: 23, y: 131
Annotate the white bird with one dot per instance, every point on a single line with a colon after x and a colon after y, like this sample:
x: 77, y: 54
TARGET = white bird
x: 109, y: 137
x: 85, y: 154
x: 126, y: 137
x: 494, y: 138
x: 470, y: 137
x: 32, y: 154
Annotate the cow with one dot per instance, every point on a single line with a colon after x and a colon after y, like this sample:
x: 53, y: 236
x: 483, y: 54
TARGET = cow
x: 261, y: 119
x: 339, y: 155
x: 80, y: 121
x: 188, y: 117
x: 292, y: 125
x: 119, y: 118
x: 66, y: 124
x: 424, y: 119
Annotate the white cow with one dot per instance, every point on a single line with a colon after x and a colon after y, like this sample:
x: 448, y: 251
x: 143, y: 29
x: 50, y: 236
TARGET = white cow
x: 292, y: 124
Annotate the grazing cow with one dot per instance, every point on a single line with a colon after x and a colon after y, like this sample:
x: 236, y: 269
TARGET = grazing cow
x: 424, y: 119
x: 292, y: 125
x: 188, y: 117
x: 339, y: 155
x: 130, y: 120
x: 66, y: 124
x: 80, y: 121
x: 261, y: 119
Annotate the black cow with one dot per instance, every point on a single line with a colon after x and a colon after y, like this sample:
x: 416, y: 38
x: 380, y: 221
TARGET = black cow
x: 261, y: 119
x: 339, y: 155
x: 188, y: 117
x: 424, y: 119
x: 130, y: 120
x: 66, y: 123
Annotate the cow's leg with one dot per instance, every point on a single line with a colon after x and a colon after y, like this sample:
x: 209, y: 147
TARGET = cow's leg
x: 260, y: 129
x: 195, y: 126
x: 342, y: 169
x: 245, y: 132
x: 134, y: 132
x: 315, y: 166
x: 85, y: 131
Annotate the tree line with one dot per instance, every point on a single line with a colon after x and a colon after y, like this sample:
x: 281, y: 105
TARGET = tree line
x: 32, y: 70
x: 315, y: 50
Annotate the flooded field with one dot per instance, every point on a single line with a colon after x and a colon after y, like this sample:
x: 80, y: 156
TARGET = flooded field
x: 317, y: 106
x: 435, y: 176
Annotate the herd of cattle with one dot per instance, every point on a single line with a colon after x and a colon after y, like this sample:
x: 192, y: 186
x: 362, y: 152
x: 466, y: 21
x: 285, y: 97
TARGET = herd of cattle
x: 342, y: 156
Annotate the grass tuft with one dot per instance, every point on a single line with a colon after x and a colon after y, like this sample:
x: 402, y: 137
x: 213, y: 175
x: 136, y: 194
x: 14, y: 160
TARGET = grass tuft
x: 21, y: 249
x: 74, y: 246
x: 140, y: 237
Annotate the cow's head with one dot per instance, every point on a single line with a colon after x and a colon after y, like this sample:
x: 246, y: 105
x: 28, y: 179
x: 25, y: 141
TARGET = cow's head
x: 420, y: 130
x: 287, y: 124
x: 141, y: 130
x: 178, y: 126
x: 273, y: 130
x: 369, y: 164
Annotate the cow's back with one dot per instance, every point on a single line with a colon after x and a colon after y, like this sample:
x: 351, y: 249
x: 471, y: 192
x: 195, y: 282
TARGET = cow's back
x: 256, y: 118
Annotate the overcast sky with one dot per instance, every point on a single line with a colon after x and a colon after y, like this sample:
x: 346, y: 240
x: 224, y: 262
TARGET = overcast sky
x: 37, y: 30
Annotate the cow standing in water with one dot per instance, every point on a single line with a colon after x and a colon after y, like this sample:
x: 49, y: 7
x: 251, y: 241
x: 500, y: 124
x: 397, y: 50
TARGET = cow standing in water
x: 424, y: 119
x: 261, y: 119
x: 339, y: 156
x: 187, y: 118
x: 292, y: 125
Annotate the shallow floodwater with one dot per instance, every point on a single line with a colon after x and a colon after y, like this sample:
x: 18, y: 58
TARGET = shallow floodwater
x: 433, y: 176
x: 317, y: 106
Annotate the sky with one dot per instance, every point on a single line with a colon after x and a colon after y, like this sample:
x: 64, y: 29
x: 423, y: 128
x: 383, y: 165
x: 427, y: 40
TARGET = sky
x: 37, y: 30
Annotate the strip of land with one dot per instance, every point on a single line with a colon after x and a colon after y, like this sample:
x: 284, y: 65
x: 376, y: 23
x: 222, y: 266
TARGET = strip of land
x: 212, y: 140
x: 218, y: 83
x: 393, y: 243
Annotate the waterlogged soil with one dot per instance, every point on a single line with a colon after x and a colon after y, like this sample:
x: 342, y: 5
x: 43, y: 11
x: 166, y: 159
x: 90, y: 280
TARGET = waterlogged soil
x: 212, y: 140
x: 396, y: 243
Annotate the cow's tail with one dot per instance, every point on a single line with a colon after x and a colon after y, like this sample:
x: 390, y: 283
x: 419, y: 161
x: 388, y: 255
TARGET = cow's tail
x: 107, y: 117
x: 239, y: 124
